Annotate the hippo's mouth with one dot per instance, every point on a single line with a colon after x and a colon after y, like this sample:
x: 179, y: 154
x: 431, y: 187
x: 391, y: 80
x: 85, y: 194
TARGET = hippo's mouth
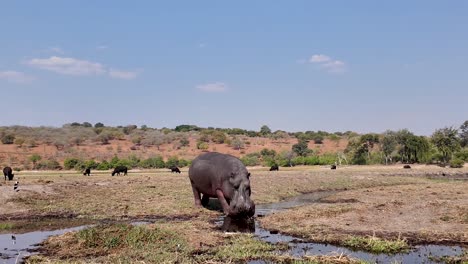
x: 242, y: 211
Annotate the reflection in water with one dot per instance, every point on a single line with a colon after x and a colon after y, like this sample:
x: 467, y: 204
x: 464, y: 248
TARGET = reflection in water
x: 243, y: 225
x: 14, y: 247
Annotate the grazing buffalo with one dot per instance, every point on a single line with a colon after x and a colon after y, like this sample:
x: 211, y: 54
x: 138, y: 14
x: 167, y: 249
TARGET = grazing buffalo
x: 8, y: 172
x: 224, y: 177
x: 274, y: 168
x: 174, y: 169
x: 120, y: 169
x: 407, y: 167
x: 333, y: 167
x: 87, y: 171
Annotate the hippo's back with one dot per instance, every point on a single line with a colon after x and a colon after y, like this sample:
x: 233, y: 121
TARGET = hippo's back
x: 208, y: 171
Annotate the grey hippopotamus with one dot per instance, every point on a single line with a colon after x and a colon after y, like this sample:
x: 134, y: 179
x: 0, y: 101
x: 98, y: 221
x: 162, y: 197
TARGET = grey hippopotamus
x: 224, y: 177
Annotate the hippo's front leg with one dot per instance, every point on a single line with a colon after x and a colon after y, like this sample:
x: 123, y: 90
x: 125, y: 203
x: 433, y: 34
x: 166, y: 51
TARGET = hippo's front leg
x: 223, y: 201
x: 196, y: 196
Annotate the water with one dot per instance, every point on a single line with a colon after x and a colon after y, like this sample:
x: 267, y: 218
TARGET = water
x: 299, y: 247
x: 14, y: 247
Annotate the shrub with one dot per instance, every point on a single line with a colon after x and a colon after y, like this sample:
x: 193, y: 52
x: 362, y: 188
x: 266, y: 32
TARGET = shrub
x: 8, y: 139
x: 136, y: 139
x: 456, y: 163
x: 104, y: 165
x: 70, y: 163
x: 154, y: 162
x: 48, y: 165
x: 172, y: 161
x: 34, y: 159
x: 463, y: 155
x: 237, y: 143
x: 218, y: 137
x: 184, y: 142
x: 318, y: 139
x: 251, y: 159
x: 184, y: 163
x: 19, y: 141
x: 202, y: 145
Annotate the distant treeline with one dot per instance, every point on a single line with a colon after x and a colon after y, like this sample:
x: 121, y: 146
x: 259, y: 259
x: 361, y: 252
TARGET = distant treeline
x: 446, y: 146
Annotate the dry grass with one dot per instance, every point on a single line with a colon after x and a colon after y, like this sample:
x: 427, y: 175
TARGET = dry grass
x: 385, y: 200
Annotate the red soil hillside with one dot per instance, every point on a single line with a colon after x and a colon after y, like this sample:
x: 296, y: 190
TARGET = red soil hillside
x: 12, y: 155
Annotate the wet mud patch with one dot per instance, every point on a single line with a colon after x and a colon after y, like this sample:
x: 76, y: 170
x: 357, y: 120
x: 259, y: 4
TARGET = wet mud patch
x: 37, y: 216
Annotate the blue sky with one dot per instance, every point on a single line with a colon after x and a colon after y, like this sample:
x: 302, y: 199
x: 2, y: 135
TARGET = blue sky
x: 365, y: 66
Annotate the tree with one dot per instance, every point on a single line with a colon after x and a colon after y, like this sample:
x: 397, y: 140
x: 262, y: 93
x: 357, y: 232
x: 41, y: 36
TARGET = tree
x: 98, y: 124
x: 87, y: 124
x: 237, y: 143
x: 389, y: 144
x: 412, y: 148
x: 301, y: 148
x: 446, y: 141
x: 288, y: 156
x: 464, y: 134
x: 265, y: 130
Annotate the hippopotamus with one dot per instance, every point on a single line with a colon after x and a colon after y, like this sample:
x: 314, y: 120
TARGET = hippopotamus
x: 274, y: 168
x: 224, y: 177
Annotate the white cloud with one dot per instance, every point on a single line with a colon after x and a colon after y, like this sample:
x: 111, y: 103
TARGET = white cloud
x: 126, y: 75
x: 68, y: 66
x: 319, y: 58
x: 15, y: 77
x: 335, y: 66
x: 212, y: 87
x: 327, y: 63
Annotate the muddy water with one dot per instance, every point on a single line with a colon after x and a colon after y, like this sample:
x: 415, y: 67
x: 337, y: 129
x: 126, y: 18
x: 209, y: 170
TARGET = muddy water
x: 14, y: 247
x: 299, y: 247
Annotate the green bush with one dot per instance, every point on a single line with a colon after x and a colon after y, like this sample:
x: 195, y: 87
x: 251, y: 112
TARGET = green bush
x: 172, y: 162
x: 251, y: 159
x: 104, y: 165
x: 462, y: 154
x: 456, y: 163
x: 152, y: 163
x: 70, y: 163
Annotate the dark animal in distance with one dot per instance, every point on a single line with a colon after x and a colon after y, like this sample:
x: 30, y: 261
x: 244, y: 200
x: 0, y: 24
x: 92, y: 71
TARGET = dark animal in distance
x: 120, y: 169
x: 333, y: 167
x: 87, y: 171
x: 8, y: 172
x: 274, y: 168
x: 407, y: 167
x: 224, y: 177
x: 174, y: 169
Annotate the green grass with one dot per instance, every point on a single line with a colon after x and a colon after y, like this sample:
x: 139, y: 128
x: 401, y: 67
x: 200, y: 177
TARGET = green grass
x: 376, y: 245
x: 6, y: 226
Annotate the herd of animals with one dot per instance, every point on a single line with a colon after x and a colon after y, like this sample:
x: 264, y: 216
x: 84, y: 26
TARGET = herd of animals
x: 212, y: 175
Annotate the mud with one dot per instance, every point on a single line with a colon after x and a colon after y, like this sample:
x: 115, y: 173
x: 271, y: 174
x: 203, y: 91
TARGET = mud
x: 422, y: 253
